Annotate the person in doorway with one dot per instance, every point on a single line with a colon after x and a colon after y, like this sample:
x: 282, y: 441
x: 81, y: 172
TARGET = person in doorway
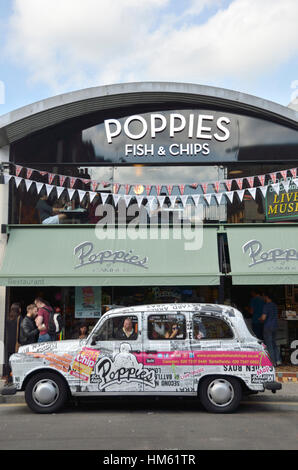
x: 42, y: 320
x: 127, y: 332
x: 12, y: 337
x: 29, y: 332
x: 47, y: 213
x: 81, y: 331
x: 256, y: 310
x: 269, y: 317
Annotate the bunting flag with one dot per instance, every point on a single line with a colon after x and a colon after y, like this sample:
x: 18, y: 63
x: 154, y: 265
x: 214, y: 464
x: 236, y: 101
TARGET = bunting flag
x: 116, y: 187
x: 286, y: 185
x: 295, y: 181
x: 7, y: 178
x: 284, y: 174
x: 51, y: 176
x: 29, y: 172
x: 181, y: 188
x: 62, y: 179
x: 273, y: 177
x: 230, y: 195
x: 218, y: 198
x: 81, y: 194
x: 116, y: 198
x: 228, y: 184
x: 253, y: 192
x: 18, y: 169
x: 169, y: 189
x: 59, y: 190
x: 294, y: 172
x: 127, y: 188
x: 196, y: 198
x: 158, y: 189
x: 104, y: 197
x: 275, y: 186
x: 71, y: 193
x: 194, y: 185
x: 39, y: 187
x: 204, y: 187
x: 148, y: 189
x: 241, y: 194
x: 262, y: 179
x: 184, y: 200
x: 43, y: 173
x: 173, y: 201
x: 239, y: 182
x: 139, y: 200
x: 28, y: 184
x: 161, y: 200
x: 264, y: 190
x: 151, y: 201
x: 207, y: 198
x: 18, y: 181
x: 127, y: 199
x: 49, y: 189
x: 86, y: 181
x: 92, y: 196
x: 250, y: 180
x: 217, y: 186
x: 72, y: 181
x: 93, y: 185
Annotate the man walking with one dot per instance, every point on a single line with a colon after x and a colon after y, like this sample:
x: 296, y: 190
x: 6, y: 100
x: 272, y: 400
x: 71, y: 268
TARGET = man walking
x: 269, y: 317
x: 42, y: 320
x: 256, y: 309
x: 29, y: 332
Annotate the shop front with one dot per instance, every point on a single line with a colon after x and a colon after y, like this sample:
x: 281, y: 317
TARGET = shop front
x: 165, y: 192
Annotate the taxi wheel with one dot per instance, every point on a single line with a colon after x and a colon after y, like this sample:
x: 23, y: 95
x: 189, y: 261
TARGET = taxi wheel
x: 46, y: 392
x: 220, y: 394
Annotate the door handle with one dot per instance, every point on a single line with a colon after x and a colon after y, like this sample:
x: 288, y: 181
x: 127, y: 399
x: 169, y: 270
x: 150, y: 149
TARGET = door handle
x: 136, y: 351
x: 151, y: 352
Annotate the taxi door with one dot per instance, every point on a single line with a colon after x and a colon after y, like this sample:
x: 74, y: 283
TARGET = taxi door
x: 111, y: 361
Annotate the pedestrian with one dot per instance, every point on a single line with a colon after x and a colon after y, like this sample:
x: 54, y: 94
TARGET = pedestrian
x: 12, y: 344
x: 256, y: 310
x: 29, y: 332
x: 82, y: 331
x: 42, y: 320
x: 269, y: 317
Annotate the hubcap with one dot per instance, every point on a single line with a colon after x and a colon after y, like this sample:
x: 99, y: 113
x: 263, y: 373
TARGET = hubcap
x: 45, y: 393
x: 220, y: 392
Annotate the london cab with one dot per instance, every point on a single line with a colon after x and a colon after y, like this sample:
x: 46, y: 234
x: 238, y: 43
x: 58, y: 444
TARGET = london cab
x: 199, y: 350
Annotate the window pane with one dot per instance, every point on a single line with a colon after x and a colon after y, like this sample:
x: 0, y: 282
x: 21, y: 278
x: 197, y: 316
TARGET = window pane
x: 170, y: 326
x: 119, y: 329
x: 210, y: 328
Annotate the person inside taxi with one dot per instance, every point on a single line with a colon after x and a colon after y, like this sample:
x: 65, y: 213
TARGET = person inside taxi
x: 127, y: 331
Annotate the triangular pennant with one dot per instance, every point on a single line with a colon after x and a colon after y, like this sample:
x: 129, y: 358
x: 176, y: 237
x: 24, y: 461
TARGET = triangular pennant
x: 116, y: 198
x: 184, y: 200
x: 72, y: 180
x: 43, y: 173
x: 230, y: 195
x: 81, y: 194
x: 161, y: 200
x: 18, y: 169
x: 262, y: 179
x: 181, y: 187
x: 284, y: 174
x: 18, y: 180
x: 59, y: 190
x: 94, y: 185
x: 253, y: 192
x: 38, y: 187
x: 294, y: 172
x: 92, y: 195
x: 127, y: 199
x: 196, y: 198
x: 286, y: 185
x: 273, y: 177
x: 194, y: 185
x: 218, y: 197
x: 29, y: 173
x: 71, y: 193
x: 62, y: 179
x: 264, y: 190
x: 275, y: 186
x: 158, y: 189
x: 51, y: 176
x: 104, y: 197
x: 228, y: 184
x: 239, y: 182
x: 216, y: 186
x: 7, y: 178
x: 139, y: 200
x: 49, y: 189
x: 207, y: 197
x: 86, y: 181
x: 241, y: 194
x: 250, y: 180
x: 104, y: 183
x: 204, y: 187
x: 170, y: 189
x: 127, y: 188
x: 173, y: 200
x: 28, y: 184
x: 148, y: 189
x: 295, y: 181
x: 151, y: 201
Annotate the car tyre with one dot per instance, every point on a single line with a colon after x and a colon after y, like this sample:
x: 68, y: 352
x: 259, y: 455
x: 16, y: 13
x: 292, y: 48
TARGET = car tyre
x: 46, y: 392
x: 220, y: 394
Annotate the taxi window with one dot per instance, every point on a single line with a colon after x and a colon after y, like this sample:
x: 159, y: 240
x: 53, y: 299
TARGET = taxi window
x: 118, y: 329
x: 169, y: 326
x: 205, y: 327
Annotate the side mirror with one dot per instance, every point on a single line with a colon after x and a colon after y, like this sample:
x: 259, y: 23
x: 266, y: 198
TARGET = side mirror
x: 93, y: 340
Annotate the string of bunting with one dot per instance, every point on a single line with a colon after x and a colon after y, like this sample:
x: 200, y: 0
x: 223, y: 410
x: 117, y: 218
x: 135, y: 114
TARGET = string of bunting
x: 216, y: 185
x: 277, y: 186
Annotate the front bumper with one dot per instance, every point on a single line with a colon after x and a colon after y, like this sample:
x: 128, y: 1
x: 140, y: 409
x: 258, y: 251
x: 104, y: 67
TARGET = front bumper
x: 8, y: 390
x: 273, y: 386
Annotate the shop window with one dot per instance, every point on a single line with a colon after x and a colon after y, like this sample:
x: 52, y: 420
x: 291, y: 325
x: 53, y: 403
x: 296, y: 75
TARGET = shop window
x: 170, y: 326
x: 118, y: 329
x: 205, y: 327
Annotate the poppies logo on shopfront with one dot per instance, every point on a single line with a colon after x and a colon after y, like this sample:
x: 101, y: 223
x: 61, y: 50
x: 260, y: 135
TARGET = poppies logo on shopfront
x: 257, y: 255
x: 87, y: 256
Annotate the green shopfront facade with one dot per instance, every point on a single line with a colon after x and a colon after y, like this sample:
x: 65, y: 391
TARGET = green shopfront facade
x: 210, y: 171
